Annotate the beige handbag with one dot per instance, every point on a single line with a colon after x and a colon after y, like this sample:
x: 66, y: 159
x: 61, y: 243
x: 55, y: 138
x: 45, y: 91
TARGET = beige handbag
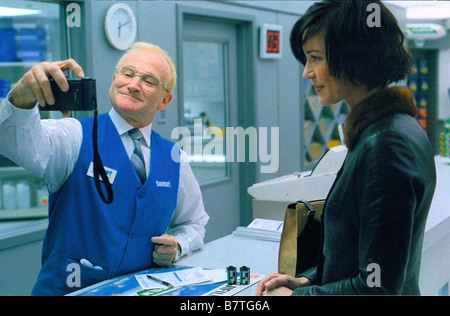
x: 300, y: 237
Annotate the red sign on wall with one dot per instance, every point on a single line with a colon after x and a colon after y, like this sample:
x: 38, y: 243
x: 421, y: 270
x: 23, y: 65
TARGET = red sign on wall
x: 270, y: 41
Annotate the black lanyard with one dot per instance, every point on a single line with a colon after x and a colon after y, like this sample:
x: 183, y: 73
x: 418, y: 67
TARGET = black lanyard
x: 99, y: 169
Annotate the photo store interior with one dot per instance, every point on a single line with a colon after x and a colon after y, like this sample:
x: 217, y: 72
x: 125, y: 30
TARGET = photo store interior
x: 235, y: 69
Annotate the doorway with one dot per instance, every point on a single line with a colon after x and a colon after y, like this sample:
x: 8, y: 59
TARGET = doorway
x: 212, y: 97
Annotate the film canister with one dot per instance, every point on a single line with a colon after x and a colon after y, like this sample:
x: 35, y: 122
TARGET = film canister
x: 245, y: 275
x: 231, y: 275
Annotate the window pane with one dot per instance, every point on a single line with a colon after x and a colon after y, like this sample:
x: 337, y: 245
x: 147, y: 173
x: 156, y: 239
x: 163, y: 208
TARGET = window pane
x: 205, y: 102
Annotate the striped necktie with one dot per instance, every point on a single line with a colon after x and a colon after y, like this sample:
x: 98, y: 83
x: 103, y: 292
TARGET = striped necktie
x: 137, y: 158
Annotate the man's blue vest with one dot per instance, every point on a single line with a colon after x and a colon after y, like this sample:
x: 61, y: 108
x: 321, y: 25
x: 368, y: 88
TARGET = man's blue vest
x: 115, y: 238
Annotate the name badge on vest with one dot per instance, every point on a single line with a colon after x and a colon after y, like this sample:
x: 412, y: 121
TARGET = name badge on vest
x: 111, y: 173
x: 164, y: 184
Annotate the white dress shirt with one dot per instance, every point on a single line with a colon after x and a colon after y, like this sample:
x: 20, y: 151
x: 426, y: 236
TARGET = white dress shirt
x: 50, y: 149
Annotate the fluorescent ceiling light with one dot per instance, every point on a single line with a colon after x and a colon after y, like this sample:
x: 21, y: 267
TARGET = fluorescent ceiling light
x: 428, y: 12
x: 12, y: 12
x: 424, y: 10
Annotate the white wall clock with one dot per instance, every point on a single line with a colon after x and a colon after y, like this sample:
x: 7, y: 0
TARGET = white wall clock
x: 120, y: 26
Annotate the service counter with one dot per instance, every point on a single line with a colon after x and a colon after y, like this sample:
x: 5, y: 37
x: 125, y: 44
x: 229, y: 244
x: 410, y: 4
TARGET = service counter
x: 21, y: 244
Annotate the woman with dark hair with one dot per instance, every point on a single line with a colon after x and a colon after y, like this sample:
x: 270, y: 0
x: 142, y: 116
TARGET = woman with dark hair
x: 374, y: 217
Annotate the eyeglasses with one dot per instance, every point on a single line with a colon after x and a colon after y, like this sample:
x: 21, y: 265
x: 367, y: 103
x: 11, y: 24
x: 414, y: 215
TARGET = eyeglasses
x: 127, y: 73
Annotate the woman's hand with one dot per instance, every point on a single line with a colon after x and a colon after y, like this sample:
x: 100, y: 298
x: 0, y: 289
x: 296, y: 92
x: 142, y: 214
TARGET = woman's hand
x: 279, y: 284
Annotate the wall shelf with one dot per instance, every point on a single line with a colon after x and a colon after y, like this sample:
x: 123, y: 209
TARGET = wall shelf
x: 29, y: 213
x: 22, y: 195
x: 423, y: 82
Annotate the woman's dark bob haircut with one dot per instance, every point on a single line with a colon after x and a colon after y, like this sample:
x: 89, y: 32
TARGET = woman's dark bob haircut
x: 356, y: 49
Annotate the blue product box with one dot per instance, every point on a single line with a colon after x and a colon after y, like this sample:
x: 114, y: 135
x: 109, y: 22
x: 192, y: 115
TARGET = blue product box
x: 4, y: 87
x: 32, y: 44
x: 8, y: 45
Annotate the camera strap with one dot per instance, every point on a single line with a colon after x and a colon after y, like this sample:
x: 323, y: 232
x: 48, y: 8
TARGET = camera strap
x: 99, y: 169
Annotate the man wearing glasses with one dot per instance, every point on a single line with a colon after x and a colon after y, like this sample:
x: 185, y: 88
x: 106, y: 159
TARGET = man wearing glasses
x: 157, y: 214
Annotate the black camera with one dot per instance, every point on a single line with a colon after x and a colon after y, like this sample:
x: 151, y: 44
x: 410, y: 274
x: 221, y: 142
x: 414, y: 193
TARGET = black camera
x: 81, y: 96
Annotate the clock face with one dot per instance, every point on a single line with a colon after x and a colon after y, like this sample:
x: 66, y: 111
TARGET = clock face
x: 120, y: 26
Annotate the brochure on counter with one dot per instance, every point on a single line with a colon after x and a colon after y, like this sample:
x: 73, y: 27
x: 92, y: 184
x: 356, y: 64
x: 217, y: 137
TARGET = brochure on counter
x: 170, y: 281
x: 261, y: 229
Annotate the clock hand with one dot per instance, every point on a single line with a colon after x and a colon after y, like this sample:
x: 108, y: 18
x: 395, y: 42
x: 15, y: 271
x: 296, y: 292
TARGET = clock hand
x: 120, y: 25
